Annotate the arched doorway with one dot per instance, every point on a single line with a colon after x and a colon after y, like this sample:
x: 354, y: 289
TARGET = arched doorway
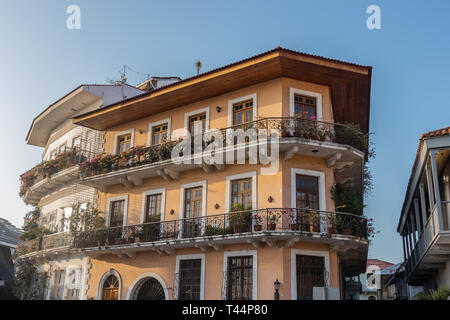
x: 149, y: 289
x: 110, y: 289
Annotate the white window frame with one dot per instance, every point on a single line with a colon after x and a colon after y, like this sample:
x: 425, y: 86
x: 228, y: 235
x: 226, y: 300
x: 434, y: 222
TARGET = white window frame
x: 102, y: 281
x: 183, y: 188
x: 322, y: 189
x: 202, y: 272
x: 318, y: 96
x: 122, y: 133
x: 125, y: 210
x: 252, y: 96
x: 155, y: 124
x: 246, y: 175
x: 143, y: 276
x: 79, y: 279
x: 187, y: 115
x: 315, y: 253
x: 161, y: 191
x: 240, y: 253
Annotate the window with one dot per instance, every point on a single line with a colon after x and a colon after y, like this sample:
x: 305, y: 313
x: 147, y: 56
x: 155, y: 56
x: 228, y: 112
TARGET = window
x: 62, y: 148
x: 305, y: 107
x: 310, y: 273
x: 110, y: 290
x: 58, y: 284
x: 192, y: 209
x: 66, y: 223
x: 159, y: 134
x: 124, y: 143
x: 240, y: 278
x: 153, y: 208
x: 242, y: 112
x: 307, y: 191
x: 116, y: 213
x: 189, y: 279
x: 241, y: 193
x: 76, y: 142
x: 52, y: 222
x: 73, y: 284
x: 194, y: 119
x: 53, y: 154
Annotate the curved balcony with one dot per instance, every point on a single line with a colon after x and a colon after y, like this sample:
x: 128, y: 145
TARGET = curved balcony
x: 277, y: 228
x: 343, y: 146
x: 51, y: 175
x: 46, y: 245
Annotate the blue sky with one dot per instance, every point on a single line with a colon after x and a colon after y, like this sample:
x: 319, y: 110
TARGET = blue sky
x: 41, y: 60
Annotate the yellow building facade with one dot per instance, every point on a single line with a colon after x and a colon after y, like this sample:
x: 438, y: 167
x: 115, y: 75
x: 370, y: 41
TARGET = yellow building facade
x: 229, y: 231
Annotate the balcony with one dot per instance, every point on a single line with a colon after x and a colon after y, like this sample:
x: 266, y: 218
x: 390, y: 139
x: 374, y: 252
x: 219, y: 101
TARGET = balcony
x: 277, y: 228
x: 432, y: 249
x: 343, y: 146
x: 46, y: 245
x: 51, y: 175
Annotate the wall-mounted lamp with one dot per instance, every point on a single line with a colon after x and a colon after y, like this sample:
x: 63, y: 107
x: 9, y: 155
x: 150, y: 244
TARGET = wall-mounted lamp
x: 218, y: 109
x: 216, y: 206
x: 172, y: 211
x: 276, y: 285
x: 141, y: 131
x: 270, y: 199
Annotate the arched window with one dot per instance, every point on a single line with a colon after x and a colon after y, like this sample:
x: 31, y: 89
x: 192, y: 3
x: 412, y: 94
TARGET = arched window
x: 149, y: 289
x: 110, y: 290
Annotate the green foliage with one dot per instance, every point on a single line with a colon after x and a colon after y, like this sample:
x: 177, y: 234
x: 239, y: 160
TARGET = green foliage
x: 29, y: 281
x: 347, y: 199
x: 31, y: 227
x: 83, y: 219
x: 240, y: 216
x: 213, y: 231
x: 439, y: 294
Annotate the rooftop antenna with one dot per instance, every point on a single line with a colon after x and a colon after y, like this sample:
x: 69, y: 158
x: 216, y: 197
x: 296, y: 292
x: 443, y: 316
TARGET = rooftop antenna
x: 198, y: 66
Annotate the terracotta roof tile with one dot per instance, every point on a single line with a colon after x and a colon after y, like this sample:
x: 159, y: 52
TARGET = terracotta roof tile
x: 430, y: 134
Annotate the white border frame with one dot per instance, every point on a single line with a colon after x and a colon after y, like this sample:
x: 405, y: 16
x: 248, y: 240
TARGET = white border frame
x: 252, y: 96
x: 102, y: 280
x: 125, y: 211
x: 161, y: 191
x: 229, y: 179
x: 158, y: 123
x: 318, y: 96
x: 315, y: 253
x: 240, y: 253
x: 322, y: 189
x: 193, y: 113
x: 200, y: 256
x: 143, y: 276
x: 118, y: 134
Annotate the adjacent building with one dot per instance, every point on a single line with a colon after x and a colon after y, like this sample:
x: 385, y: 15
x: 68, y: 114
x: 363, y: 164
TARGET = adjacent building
x: 202, y: 229
x: 9, y: 238
x: 425, y: 215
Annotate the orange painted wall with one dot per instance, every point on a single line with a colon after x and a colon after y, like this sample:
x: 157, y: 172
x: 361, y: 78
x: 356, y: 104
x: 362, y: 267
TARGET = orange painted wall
x: 273, y: 100
x: 273, y: 263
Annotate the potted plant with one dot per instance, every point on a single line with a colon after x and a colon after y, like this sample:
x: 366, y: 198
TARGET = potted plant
x: 257, y: 226
x: 272, y: 220
x: 293, y: 223
x: 240, y: 218
x: 314, y: 221
x: 333, y: 223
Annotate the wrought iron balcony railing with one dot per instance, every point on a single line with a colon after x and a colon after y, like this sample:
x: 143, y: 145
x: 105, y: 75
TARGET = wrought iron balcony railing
x: 233, y: 223
x: 70, y: 157
x: 51, y: 241
x: 288, y: 127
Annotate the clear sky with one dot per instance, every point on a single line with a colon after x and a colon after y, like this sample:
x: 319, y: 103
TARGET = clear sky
x: 41, y: 60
